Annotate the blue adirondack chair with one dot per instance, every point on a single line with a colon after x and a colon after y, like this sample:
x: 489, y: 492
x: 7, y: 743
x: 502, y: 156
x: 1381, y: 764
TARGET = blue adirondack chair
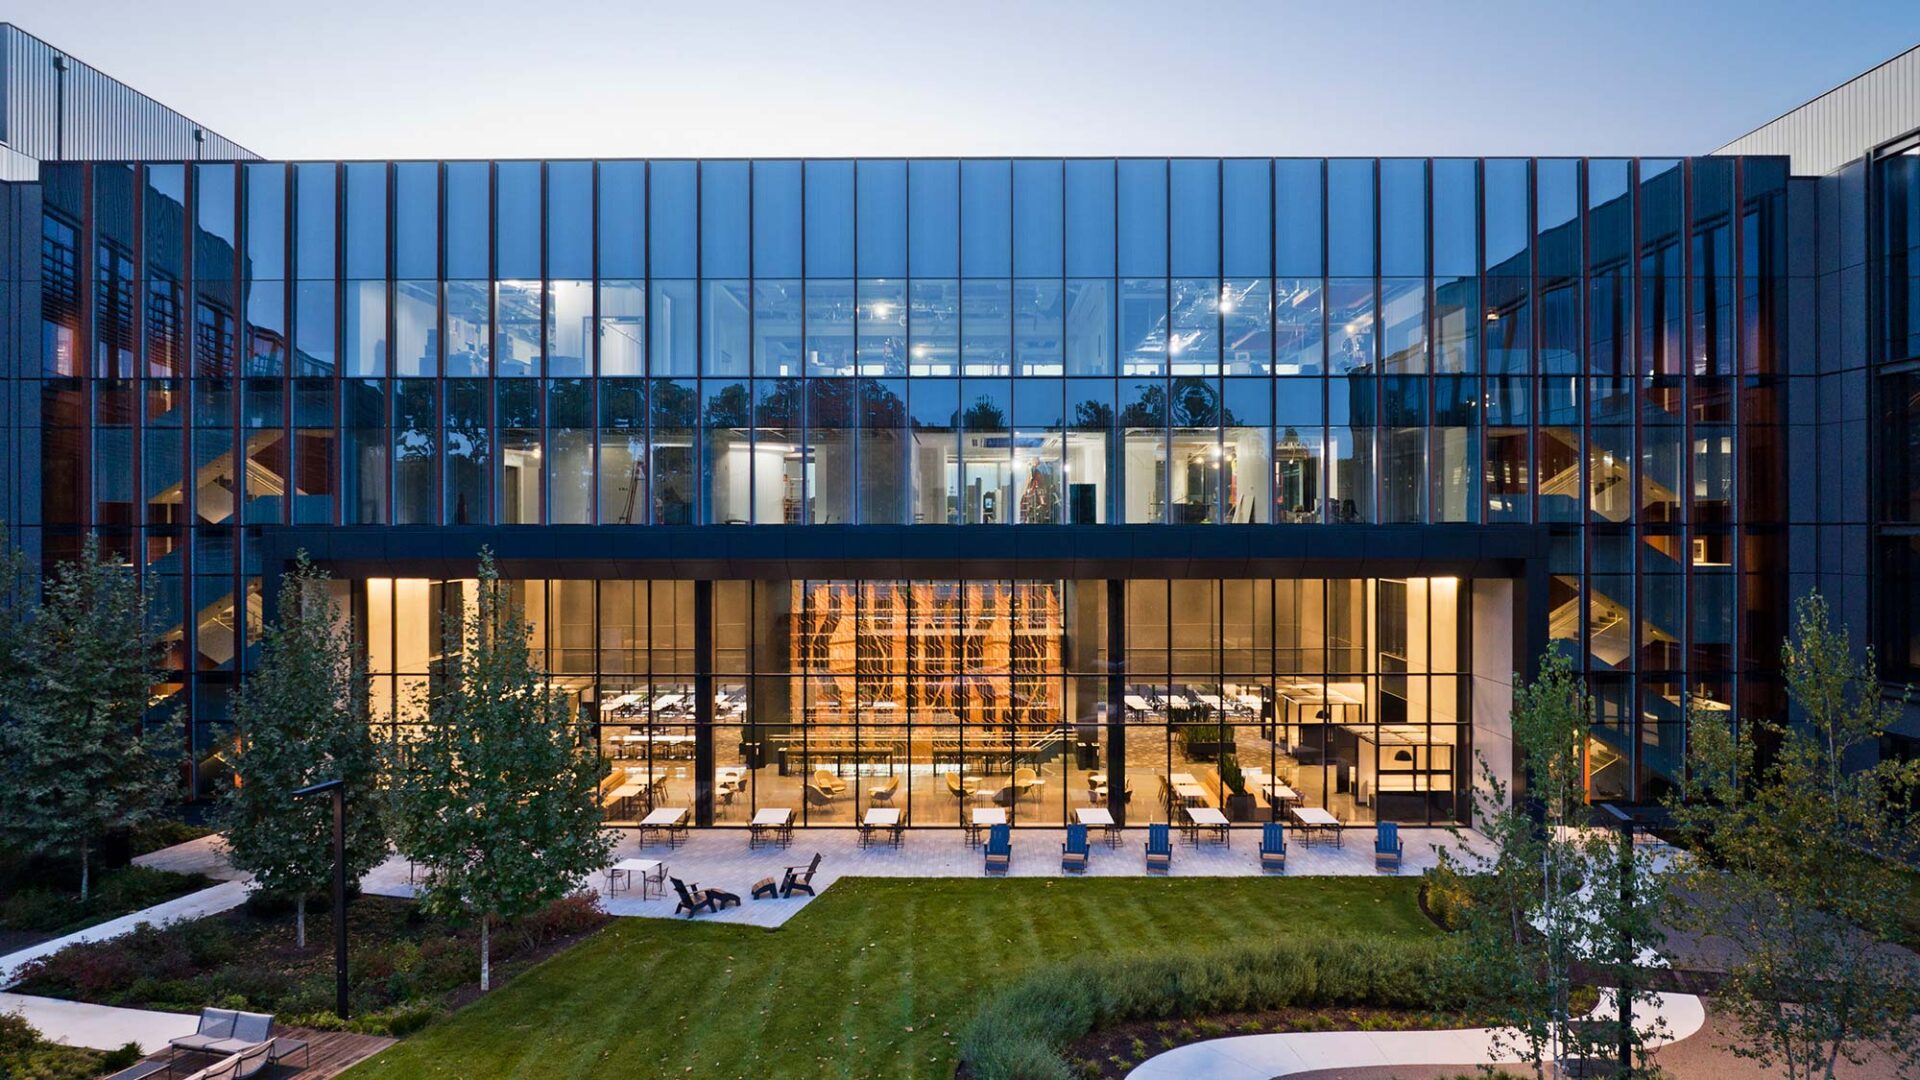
x: 999, y: 850
x: 1073, y: 853
x: 1273, y: 846
x: 1386, y: 846
x: 1159, y: 848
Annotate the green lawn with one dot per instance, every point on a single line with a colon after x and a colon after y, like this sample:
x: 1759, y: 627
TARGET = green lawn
x: 874, y: 979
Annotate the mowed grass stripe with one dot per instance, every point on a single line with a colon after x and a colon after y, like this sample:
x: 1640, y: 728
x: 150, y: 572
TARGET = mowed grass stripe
x: 874, y: 979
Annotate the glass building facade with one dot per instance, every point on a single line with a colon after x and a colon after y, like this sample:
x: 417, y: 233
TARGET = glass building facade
x: 1593, y: 353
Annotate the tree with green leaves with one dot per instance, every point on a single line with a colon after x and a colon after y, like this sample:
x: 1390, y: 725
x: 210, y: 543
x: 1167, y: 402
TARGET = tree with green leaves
x: 1796, y: 868
x: 1542, y: 891
x: 77, y: 757
x: 300, y: 717
x: 494, y: 799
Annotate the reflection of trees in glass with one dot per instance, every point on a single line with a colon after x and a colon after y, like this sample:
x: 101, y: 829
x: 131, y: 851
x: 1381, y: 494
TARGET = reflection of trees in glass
x: 1092, y: 415
x: 1196, y: 403
x: 675, y: 404
x: 780, y: 403
x: 730, y: 407
x: 881, y: 404
x: 1150, y: 410
x: 985, y: 414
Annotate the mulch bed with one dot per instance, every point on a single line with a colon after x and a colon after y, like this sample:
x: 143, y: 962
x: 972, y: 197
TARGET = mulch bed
x: 404, y: 968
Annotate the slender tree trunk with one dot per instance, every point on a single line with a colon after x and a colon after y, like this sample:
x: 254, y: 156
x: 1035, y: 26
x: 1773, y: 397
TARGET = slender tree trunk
x: 486, y: 960
x: 86, y: 861
x: 300, y: 921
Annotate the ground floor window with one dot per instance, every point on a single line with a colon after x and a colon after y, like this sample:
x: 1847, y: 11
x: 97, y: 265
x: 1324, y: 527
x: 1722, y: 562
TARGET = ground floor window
x: 1038, y: 699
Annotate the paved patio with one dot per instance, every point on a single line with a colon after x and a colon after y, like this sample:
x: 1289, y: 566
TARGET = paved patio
x: 721, y: 859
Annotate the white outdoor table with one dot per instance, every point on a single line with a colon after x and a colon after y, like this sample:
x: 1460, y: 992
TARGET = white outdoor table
x: 1313, y: 820
x: 1209, y: 820
x: 984, y: 818
x: 773, y: 825
x: 650, y: 871
x: 671, y: 820
x: 881, y: 819
x: 1099, y: 817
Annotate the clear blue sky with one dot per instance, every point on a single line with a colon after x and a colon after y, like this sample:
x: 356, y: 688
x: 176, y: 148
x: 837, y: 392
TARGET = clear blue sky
x: 437, y: 78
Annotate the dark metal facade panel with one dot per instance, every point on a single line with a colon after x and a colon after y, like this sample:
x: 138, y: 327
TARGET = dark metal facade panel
x: 718, y: 552
x: 1845, y: 122
x: 84, y: 114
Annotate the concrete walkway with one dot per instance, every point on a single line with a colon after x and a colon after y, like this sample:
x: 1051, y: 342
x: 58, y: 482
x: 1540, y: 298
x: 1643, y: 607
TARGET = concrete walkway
x: 195, y: 905
x: 723, y: 859
x: 99, y: 1027
x: 1263, y: 1057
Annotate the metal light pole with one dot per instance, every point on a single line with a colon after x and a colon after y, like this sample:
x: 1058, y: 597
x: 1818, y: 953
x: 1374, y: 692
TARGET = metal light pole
x: 338, y: 790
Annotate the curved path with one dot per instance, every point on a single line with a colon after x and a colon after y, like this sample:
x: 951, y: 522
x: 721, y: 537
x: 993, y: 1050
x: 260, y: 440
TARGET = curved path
x: 1263, y: 1057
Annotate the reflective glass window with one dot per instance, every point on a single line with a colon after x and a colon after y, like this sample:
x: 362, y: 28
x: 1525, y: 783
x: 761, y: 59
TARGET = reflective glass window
x: 366, y: 219
x: 570, y: 219
x: 1089, y: 327
x: 569, y: 328
x: 933, y: 218
x: 726, y: 328
x: 1142, y: 209
x: 416, y: 220
x: 623, y: 219
x: 829, y: 219
x: 830, y: 315
x: 777, y: 344
x: 1403, y: 217
x: 1297, y: 217
x: 622, y: 333
x: 1299, y: 333
x: 725, y: 244
x: 1194, y: 217
x: 1506, y: 217
x: 468, y: 216
x: 673, y: 219
x: 880, y: 208
x: 1038, y: 223
x: 1246, y: 217
x: 314, y: 217
x: 1089, y: 218
x: 1456, y: 217
x: 986, y: 327
x: 517, y: 219
x: 1350, y: 228
x: 986, y: 218
x: 776, y: 219
x: 673, y: 329
x: 266, y: 222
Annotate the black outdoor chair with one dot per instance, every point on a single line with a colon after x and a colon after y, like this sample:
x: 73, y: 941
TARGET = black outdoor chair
x: 797, y: 881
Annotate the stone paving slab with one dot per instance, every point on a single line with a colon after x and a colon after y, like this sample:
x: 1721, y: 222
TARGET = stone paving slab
x: 722, y: 859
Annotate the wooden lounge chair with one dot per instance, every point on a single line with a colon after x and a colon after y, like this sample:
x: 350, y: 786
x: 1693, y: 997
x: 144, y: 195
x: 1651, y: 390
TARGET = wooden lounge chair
x: 1273, y: 846
x: 1074, y: 853
x: 1386, y: 846
x: 999, y: 850
x: 1159, y: 848
x: 794, y: 882
x: 883, y: 795
x: 692, y: 898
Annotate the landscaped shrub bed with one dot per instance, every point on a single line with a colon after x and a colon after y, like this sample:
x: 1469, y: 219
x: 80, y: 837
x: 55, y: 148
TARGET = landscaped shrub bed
x: 24, y: 1055
x: 403, y: 968
x: 1025, y: 1031
x: 37, y: 900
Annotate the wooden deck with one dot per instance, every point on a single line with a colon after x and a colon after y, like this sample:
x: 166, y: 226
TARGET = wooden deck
x: 329, y: 1053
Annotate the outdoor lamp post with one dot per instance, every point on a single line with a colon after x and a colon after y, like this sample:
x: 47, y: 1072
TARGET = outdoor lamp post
x: 338, y: 790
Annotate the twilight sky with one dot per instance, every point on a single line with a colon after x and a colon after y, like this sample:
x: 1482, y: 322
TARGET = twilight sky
x: 486, y: 78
